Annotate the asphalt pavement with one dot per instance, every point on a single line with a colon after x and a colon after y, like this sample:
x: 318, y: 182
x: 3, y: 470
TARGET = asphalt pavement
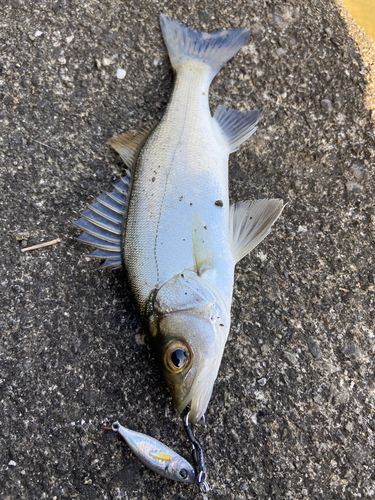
x: 292, y: 414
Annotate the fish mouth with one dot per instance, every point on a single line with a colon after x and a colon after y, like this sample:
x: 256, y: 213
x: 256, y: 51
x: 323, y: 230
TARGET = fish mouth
x: 201, y: 390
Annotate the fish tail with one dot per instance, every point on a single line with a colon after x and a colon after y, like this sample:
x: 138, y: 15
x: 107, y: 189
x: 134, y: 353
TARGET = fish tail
x: 186, y: 46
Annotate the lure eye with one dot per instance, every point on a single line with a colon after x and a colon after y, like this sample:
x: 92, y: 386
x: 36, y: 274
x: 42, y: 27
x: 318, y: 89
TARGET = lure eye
x: 177, y: 357
x: 183, y: 474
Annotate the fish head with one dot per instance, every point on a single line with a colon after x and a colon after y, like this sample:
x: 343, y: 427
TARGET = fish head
x: 189, y: 323
x: 180, y: 470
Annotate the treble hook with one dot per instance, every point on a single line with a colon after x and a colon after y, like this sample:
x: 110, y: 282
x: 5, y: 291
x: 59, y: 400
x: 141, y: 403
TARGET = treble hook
x: 198, y: 460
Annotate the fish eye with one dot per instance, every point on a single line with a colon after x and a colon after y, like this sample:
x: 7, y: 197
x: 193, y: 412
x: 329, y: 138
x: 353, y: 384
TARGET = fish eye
x: 183, y: 474
x: 177, y: 357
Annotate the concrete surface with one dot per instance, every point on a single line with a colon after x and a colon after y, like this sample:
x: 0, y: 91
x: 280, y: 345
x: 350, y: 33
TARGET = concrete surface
x: 292, y: 413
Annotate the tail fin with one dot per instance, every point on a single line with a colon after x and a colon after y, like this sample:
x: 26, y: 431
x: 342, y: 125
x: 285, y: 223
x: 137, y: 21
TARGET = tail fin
x: 188, y: 46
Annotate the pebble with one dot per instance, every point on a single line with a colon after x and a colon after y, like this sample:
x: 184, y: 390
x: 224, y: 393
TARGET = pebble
x: 351, y: 351
x: 349, y: 427
x: 120, y: 73
x: 25, y: 82
x: 204, y: 16
x: 22, y: 235
x: 12, y: 463
x: 326, y: 105
x: 40, y: 207
x: 314, y: 348
x: 358, y: 169
x: 107, y: 61
x: 341, y: 398
x: 35, y: 80
x: 262, y: 381
x: 350, y: 186
x: 291, y: 358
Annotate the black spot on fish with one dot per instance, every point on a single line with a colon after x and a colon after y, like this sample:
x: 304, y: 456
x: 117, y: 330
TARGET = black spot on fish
x: 218, y: 203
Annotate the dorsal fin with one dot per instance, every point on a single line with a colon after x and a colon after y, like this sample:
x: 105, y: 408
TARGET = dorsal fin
x: 250, y: 222
x: 129, y: 144
x: 237, y: 126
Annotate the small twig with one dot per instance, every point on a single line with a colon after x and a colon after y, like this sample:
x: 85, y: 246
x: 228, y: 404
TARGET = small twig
x: 326, y: 321
x: 42, y: 245
x: 46, y: 145
x: 344, y: 290
x: 101, y: 432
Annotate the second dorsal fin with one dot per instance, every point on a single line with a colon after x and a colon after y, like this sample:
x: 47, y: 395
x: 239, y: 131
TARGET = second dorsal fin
x: 236, y: 126
x: 129, y: 144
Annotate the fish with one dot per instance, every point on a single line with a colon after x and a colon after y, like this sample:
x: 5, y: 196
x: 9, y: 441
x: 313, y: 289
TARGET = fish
x: 157, y: 456
x: 169, y: 223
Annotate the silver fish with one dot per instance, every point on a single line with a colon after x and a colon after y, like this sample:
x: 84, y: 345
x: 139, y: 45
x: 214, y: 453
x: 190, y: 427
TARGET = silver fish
x: 157, y: 456
x: 169, y: 221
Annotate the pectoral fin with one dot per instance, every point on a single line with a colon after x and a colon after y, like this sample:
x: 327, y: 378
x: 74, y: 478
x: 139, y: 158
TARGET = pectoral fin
x: 202, y: 245
x: 236, y: 126
x: 250, y: 222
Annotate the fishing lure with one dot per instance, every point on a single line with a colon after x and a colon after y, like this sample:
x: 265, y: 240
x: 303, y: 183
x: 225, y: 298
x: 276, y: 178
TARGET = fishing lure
x: 156, y: 455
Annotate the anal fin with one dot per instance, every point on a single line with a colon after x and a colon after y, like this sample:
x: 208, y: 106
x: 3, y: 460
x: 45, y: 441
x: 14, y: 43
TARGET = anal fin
x: 250, y: 222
